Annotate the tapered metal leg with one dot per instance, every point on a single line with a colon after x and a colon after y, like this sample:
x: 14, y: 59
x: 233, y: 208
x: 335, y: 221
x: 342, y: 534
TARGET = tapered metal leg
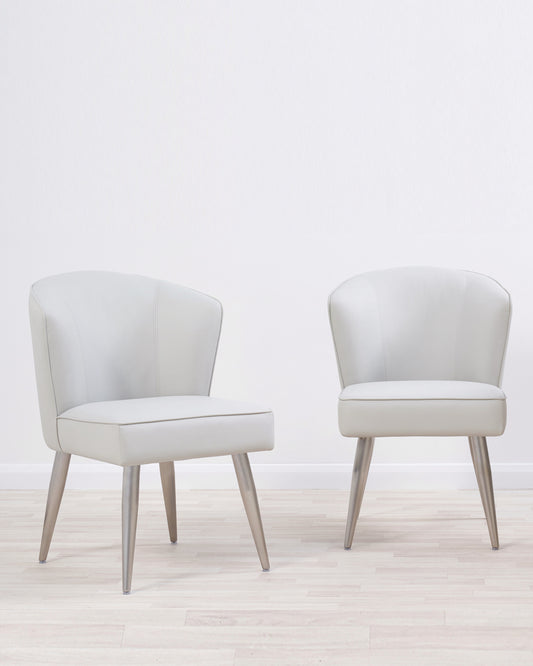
x: 130, y: 508
x: 480, y: 458
x: 251, y: 505
x: 168, y: 482
x: 363, y: 456
x: 55, y: 493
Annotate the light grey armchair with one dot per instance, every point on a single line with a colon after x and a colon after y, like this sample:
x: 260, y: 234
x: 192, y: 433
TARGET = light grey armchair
x: 124, y: 366
x: 420, y: 351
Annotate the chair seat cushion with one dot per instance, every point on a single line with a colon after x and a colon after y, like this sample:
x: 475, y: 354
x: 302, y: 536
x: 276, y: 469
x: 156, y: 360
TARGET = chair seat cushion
x: 147, y: 430
x: 431, y: 408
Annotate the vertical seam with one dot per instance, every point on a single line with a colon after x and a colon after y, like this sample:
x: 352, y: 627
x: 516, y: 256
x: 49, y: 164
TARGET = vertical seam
x: 461, y: 319
x: 156, y: 342
x: 45, y: 319
x: 504, y: 353
x: 83, y: 364
x: 339, y: 368
x: 380, y: 327
x: 509, y: 316
x: 217, y: 344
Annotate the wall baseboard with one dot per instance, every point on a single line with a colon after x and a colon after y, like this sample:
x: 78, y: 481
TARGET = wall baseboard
x: 383, y: 476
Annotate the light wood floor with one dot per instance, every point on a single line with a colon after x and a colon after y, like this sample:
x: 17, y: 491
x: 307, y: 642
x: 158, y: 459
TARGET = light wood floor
x: 420, y: 586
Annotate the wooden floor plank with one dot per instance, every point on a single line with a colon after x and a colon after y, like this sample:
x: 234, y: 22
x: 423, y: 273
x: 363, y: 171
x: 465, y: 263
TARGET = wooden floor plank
x: 421, y: 584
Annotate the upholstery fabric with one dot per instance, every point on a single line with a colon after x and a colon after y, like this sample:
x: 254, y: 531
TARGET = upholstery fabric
x: 420, y: 323
x: 421, y: 407
x: 124, y: 366
x: 146, y: 430
x: 420, y: 351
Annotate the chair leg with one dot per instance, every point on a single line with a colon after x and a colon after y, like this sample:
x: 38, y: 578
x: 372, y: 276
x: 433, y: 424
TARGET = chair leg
x: 363, y: 456
x: 480, y: 458
x: 55, y: 493
x: 168, y: 482
x: 130, y: 508
x: 251, y: 505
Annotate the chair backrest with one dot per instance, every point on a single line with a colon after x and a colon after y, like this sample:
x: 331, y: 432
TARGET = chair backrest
x: 107, y: 336
x: 420, y: 323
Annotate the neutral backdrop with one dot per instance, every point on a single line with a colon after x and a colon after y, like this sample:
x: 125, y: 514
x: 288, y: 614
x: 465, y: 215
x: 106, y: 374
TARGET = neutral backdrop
x: 263, y: 152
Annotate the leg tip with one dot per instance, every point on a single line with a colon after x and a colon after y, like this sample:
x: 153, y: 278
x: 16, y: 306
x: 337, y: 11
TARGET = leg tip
x: 42, y: 561
x: 266, y: 569
x: 126, y: 591
x: 176, y: 541
x: 347, y: 548
x: 495, y: 548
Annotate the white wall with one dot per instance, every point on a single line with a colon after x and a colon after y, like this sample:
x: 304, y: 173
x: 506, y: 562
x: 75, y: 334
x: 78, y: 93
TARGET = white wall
x: 263, y: 152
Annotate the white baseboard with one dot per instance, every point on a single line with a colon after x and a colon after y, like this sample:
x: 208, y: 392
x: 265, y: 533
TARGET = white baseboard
x: 419, y: 476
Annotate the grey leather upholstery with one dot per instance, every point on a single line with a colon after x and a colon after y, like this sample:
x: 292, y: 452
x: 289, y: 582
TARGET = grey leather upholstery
x: 124, y: 366
x: 110, y: 348
x: 421, y: 407
x: 176, y: 428
x: 420, y: 351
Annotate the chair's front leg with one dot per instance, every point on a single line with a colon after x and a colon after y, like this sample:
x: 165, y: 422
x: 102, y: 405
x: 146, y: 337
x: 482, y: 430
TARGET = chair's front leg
x: 55, y: 494
x: 251, y: 505
x: 130, y: 509
x: 481, y: 460
x: 363, y: 456
x: 168, y: 481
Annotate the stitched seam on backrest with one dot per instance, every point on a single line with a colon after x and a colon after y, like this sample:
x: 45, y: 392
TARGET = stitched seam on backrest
x: 83, y: 365
x: 156, y: 342
x: 509, y: 307
x: 504, y: 353
x: 381, y: 334
x: 217, y: 344
x: 459, y: 323
x: 339, y: 368
x: 43, y: 314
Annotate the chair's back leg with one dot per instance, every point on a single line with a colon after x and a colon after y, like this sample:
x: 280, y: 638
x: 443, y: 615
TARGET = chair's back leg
x: 251, y: 505
x: 363, y: 456
x: 130, y: 509
x: 55, y: 493
x: 480, y: 458
x: 168, y: 481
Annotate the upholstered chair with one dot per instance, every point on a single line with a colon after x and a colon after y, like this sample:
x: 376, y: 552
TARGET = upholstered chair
x: 420, y: 352
x: 124, y: 366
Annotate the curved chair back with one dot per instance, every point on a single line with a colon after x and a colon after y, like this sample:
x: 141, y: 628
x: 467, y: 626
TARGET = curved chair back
x: 420, y: 323
x: 107, y: 336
